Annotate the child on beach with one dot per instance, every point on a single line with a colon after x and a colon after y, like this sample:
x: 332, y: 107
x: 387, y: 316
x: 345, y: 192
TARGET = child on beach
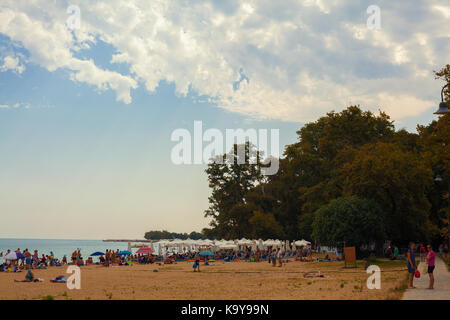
x: 196, y: 264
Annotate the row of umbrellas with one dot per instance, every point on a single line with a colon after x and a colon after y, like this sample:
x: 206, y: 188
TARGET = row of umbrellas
x: 143, y: 250
x: 230, y: 244
x: 14, y: 256
x: 223, y: 244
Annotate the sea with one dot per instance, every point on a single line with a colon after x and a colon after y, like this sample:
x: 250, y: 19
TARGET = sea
x: 60, y: 247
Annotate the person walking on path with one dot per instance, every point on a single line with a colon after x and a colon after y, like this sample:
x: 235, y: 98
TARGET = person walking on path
x: 411, y: 263
x: 431, y: 264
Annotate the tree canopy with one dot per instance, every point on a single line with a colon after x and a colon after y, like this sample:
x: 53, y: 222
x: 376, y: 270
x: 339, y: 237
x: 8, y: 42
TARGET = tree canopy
x: 349, y: 220
x: 158, y: 235
x: 347, y: 155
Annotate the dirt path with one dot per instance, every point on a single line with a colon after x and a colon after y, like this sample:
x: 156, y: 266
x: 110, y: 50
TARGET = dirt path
x: 441, y: 284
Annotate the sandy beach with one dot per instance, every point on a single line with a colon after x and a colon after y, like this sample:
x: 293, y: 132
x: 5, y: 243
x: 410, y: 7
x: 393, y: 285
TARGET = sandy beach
x: 220, y: 280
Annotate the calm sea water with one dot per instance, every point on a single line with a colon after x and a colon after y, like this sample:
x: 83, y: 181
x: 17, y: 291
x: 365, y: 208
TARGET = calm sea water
x: 60, y: 247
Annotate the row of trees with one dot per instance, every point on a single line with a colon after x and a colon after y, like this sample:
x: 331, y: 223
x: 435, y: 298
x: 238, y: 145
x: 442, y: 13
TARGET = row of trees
x: 157, y: 235
x: 350, y: 177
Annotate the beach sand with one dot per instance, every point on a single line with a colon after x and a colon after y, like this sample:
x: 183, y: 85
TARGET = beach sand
x: 220, y: 280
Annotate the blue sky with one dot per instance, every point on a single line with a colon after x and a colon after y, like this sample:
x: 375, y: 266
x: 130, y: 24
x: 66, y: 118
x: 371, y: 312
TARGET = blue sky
x: 86, y: 115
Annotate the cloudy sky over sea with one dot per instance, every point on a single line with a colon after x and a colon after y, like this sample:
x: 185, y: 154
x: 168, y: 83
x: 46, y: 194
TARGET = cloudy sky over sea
x: 86, y: 113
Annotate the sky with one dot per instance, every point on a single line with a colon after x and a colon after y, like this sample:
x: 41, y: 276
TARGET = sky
x: 91, y: 91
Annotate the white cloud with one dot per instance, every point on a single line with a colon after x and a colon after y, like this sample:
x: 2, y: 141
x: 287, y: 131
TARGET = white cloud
x: 4, y: 106
x: 12, y: 63
x: 302, y: 57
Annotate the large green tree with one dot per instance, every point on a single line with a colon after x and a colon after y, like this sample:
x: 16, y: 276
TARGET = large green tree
x: 397, y: 180
x: 349, y: 220
x: 231, y: 179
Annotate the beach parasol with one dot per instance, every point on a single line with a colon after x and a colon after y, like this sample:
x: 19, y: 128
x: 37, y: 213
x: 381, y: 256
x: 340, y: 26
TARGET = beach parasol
x: 20, y: 255
x: 145, y: 250
x: 11, y: 256
x: 206, y: 253
x: 124, y: 253
x: 98, y: 253
x: 302, y: 243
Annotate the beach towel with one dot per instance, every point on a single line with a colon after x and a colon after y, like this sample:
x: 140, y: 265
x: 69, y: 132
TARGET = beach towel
x: 59, y: 279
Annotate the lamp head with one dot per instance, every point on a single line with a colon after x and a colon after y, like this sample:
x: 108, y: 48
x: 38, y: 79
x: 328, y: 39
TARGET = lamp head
x: 443, y: 108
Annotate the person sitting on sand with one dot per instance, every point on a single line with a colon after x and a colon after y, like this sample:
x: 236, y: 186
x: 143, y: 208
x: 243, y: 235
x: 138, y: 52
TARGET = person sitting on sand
x: 29, y: 277
x: 80, y: 261
x: 196, y: 264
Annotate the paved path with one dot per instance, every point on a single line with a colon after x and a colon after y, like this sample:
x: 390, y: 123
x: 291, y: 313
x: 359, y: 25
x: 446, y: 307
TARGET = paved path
x: 441, y: 284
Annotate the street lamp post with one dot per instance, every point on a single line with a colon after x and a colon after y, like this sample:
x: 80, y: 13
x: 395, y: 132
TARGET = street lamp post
x: 448, y: 232
x: 443, y: 109
x: 439, y: 179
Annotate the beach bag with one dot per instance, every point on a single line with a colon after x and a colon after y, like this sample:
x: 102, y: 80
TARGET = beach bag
x: 417, y: 274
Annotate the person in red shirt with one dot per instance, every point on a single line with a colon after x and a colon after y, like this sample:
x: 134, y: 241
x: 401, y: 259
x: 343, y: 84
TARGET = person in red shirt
x: 423, y: 252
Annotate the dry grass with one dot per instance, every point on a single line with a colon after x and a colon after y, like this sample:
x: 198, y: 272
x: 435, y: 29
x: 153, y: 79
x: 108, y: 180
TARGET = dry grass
x: 237, y: 280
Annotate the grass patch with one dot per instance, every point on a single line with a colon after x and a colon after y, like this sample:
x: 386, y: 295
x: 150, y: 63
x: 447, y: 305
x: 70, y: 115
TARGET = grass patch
x: 48, y: 297
x: 108, y: 295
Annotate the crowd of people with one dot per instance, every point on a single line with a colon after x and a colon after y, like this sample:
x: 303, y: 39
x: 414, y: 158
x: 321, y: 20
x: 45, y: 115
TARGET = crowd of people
x: 29, y: 260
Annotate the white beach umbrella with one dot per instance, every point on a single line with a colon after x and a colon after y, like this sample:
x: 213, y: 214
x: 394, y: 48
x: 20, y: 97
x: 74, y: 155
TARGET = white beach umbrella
x: 245, y: 242
x: 302, y: 243
x: 260, y: 244
x: 228, y: 246
x: 10, y: 256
